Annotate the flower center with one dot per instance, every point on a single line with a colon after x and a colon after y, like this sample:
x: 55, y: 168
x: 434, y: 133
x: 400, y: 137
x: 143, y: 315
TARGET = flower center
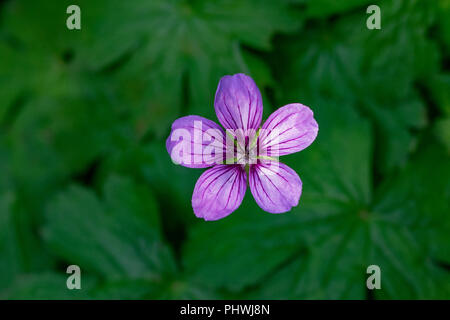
x: 247, y: 155
x: 244, y: 148
x: 247, y: 152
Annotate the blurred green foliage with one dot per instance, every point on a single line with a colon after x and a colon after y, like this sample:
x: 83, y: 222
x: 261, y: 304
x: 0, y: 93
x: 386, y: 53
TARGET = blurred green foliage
x: 86, y: 180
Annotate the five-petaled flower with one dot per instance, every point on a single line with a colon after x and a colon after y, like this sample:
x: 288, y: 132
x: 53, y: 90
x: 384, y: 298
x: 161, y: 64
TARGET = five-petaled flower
x: 244, y: 148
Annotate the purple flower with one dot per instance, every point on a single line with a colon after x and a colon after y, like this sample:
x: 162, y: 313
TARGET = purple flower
x: 242, y: 149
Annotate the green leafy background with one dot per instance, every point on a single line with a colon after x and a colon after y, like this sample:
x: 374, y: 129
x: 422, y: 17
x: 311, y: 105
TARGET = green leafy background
x: 86, y: 180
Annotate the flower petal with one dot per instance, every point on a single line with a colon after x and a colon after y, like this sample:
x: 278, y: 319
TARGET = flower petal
x: 196, y: 142
x: 290, y: 129
x: 238, y: 102
x: 275, y: 187
x: 219, y: 191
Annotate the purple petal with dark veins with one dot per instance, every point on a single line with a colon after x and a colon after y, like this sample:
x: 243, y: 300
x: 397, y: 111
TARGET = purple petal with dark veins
x: 219, y: 191
x: 196, y: 142
x: 238, y: 102
x: 275, y: 187
x: 289, y: 129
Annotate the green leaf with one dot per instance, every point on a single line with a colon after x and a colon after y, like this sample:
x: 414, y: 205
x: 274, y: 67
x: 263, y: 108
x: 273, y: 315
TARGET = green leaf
x: 52, y: 139
x: 151, y: 163
x: 160, y: 78
x: 413, y: 209
x: 51, y: 19
x: 44, y: 286
x: 9, y: 90
x: 20, y: 248
x: 377, y: 70
x: 321, y: 249
x: 444, y: 23
x: 52, y: 285
x: 10, y: 255
x: 117, y: 239
x: 114, y: 238
x: 33, y: 52
x: 325, y: 8
x: 58, y: 118
x: 439, y: 87
x: 142, y: 289
x: 442, y: 131
x: 404, y: 231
